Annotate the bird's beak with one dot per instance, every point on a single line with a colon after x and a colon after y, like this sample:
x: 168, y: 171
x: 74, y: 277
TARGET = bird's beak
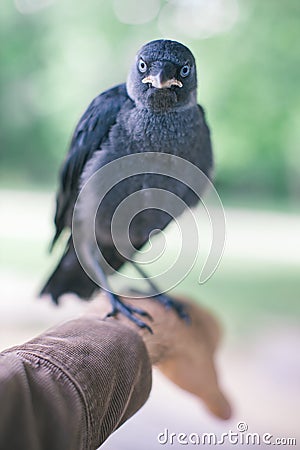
x: 159, y: 82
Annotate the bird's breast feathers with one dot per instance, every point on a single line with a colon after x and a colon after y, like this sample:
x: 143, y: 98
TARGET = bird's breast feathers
x: 175, y: 132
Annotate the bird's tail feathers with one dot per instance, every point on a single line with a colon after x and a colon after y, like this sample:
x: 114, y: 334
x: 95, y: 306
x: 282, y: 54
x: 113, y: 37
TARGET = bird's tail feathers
x: 69, y: 277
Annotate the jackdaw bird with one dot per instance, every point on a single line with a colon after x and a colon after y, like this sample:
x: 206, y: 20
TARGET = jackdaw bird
x: 155, y: 112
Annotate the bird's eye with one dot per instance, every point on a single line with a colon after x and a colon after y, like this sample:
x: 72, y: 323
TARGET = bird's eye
x: 142, y: 66
x: 185, y: 70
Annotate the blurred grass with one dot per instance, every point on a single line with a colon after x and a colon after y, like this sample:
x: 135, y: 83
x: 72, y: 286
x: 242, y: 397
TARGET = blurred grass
x: 243, y: 292
x: 242, y: 296
x: 251, y: 293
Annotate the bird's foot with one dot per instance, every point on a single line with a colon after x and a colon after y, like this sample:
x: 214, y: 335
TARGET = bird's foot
x: 178, y: 307
x: 128, y: 311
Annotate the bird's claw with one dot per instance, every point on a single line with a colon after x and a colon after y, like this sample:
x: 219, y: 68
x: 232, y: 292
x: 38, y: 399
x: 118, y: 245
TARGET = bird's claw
x: 178, y: 307
x: 129, y: 312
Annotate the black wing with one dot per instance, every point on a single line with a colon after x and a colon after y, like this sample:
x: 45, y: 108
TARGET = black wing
x: 91, y: 131
x: 205, y: 161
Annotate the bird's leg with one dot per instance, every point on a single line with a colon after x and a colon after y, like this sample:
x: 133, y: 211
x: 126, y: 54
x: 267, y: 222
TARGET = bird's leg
x: 119, y: 307
x: 127, y: 311
x: 164, y: 299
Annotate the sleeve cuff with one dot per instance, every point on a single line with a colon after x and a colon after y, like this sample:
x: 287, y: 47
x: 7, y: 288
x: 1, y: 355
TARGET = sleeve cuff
x: 108, y: 364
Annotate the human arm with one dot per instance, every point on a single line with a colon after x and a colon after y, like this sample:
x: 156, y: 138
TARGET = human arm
x: 72, y: 386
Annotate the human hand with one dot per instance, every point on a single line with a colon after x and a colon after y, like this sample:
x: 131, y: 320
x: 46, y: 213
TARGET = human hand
x: 183, y: 352
x: 191, y: 364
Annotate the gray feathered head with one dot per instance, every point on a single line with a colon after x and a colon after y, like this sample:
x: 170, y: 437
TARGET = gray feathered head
x: 163, y: 76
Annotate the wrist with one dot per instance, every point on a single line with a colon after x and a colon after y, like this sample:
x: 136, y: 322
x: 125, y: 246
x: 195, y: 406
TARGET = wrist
x: 169, y: 332
x: 166, y: 326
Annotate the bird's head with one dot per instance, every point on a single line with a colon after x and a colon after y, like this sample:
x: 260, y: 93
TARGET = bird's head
x: 163, y: 76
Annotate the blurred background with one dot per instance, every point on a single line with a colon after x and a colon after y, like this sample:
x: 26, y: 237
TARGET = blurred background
x: 55, y: 57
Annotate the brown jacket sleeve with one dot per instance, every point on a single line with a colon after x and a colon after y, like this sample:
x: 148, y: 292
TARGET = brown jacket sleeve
x: 72, y: 386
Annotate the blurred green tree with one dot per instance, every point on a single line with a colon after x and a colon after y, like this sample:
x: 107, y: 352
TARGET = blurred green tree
x: 56, y: 57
